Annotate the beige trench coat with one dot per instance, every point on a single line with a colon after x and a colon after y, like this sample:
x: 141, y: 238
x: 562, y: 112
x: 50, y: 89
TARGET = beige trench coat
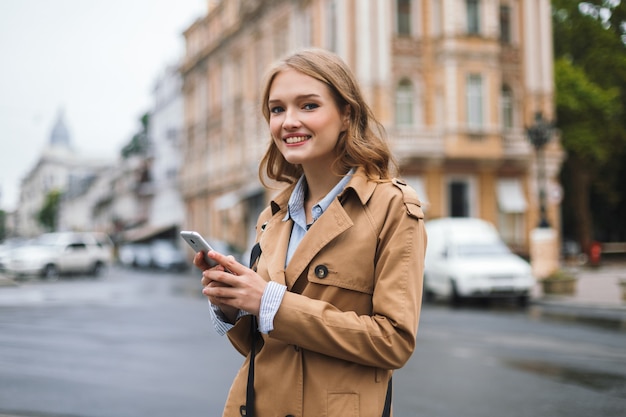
x: 333, y: 347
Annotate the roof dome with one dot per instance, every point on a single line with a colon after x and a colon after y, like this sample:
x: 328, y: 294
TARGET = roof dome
x: 60, y: 136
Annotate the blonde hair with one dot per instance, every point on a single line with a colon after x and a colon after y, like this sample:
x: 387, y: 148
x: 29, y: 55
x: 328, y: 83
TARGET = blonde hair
x: 363, y: 143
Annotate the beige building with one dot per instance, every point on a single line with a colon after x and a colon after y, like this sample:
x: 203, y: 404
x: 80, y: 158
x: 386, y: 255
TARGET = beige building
x: 455, y: 83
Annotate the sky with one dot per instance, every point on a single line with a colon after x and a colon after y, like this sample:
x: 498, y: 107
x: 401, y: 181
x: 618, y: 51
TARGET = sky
x: 94, y: 61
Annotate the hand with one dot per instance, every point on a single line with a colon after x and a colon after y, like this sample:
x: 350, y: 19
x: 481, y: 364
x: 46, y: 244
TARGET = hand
x: 239, y: 289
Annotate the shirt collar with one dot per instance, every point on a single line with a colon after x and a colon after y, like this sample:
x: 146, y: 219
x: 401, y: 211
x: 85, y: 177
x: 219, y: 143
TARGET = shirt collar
x: 295, y: 206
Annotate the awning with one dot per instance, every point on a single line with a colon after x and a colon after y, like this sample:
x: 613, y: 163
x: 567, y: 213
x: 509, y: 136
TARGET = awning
x: 148, y: 232
x: 417, y: 183
x: 510, y: 196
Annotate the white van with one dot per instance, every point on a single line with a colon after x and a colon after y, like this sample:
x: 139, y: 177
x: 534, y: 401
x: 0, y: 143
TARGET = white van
x: 466, y: 257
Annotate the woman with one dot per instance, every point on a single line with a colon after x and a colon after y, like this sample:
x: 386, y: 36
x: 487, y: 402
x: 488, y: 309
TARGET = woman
x: 337, y: 288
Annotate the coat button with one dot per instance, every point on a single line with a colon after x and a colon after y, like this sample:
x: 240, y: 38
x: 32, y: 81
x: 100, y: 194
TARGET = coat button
x: 321, y: 271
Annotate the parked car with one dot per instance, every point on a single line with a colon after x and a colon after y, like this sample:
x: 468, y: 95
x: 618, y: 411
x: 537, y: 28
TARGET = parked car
x: 136, y: 255
x: 166, y: 255
x: 467, y: 258
x: 54, y: 254
x: 5, y: 249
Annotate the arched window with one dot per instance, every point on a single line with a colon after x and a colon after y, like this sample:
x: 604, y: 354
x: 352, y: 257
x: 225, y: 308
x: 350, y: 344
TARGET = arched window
x: 404, y: 103
x: 506, y: 107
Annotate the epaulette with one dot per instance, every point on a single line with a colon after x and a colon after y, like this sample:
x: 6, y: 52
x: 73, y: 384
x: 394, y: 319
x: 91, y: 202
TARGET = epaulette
x: 411, y: 202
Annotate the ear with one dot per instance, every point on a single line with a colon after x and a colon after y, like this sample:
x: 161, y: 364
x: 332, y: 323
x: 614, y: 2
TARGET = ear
x: 345, y: 119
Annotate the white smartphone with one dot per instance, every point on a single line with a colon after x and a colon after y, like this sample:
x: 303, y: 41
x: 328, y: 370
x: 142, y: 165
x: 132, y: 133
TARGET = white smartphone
x: 198, y: 244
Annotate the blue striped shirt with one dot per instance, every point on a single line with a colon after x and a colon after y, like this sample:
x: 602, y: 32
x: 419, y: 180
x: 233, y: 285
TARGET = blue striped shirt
x: 274, y: 292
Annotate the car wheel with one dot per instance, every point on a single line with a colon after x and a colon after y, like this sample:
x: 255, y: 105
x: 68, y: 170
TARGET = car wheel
x: 98, y: 269
x: 429, y: 295
x: 50, y: 272
x: 523, y: 300
x: 455, y: 298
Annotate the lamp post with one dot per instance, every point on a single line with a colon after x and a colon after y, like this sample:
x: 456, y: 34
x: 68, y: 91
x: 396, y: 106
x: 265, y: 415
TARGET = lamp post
x: 539, y: 135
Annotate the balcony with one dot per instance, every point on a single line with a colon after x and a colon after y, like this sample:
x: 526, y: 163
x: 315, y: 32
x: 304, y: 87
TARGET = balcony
x: 416, y: 143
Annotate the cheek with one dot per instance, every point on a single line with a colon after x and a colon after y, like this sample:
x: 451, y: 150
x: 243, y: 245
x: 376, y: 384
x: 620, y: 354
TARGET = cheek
x: 275, y: 127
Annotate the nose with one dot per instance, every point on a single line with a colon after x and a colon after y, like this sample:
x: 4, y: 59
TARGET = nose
x: 291, y: 121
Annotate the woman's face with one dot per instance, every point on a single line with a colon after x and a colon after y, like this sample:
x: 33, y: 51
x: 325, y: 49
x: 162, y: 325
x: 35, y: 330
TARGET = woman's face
x: 305, y: 121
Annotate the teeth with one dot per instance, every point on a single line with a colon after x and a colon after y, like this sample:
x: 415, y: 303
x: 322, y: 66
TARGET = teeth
x: 296, y: 139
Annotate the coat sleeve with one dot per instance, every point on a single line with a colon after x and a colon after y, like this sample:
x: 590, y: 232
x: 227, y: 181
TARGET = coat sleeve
x: 386, y: 337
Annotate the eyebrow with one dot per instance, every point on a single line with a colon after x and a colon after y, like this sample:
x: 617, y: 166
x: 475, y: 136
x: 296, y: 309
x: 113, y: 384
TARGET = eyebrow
x: 299, y: 97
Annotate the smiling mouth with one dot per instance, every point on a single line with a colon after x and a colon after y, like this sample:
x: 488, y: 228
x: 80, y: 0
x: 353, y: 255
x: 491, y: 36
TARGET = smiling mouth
x: 296, y: 139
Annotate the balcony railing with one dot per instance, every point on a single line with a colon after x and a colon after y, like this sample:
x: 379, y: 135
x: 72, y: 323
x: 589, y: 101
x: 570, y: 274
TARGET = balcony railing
x: 416, y: 143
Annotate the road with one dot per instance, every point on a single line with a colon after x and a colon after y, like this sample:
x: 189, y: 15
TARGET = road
x: 135, y: 344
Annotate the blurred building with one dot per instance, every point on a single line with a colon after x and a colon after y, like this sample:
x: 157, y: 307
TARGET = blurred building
x: 455, y: 83
x: 160, y: 211
x: 60, y: 168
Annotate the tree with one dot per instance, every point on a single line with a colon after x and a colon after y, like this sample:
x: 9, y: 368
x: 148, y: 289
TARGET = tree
x: 48, y: 215
x: 590, y: 79
x: 3, y: 225
x: 140, y: 142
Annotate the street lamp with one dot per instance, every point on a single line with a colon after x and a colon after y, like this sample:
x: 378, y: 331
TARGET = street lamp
x: 539, y: 135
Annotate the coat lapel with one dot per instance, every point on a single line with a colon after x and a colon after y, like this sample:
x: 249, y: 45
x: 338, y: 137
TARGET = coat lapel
x: 331, y: 224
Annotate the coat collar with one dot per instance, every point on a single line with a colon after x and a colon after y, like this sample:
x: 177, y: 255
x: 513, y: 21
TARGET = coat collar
x: 334, y: 222
x: 363, y: 187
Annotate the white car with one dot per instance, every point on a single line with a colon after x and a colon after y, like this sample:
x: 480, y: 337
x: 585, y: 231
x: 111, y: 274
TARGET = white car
x: 466, y: 257
x: 53, y: 254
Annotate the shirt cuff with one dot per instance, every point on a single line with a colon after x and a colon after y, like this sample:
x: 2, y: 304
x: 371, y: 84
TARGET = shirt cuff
x: 270, y: 302
x: 222, y: 326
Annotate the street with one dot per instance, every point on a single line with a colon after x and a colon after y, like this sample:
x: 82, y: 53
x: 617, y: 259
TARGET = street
x: 140, y: 343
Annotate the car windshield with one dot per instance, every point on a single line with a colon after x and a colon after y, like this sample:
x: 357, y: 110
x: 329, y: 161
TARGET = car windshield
x: 481, y: 249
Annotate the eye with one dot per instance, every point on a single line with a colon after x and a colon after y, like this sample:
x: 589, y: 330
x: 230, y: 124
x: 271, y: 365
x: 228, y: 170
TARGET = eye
x: 310, y: 106
x: 276, y: 109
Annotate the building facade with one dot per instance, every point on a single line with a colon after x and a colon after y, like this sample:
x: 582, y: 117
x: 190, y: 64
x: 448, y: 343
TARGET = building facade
x: 60, y: 168
x: 456, y: 83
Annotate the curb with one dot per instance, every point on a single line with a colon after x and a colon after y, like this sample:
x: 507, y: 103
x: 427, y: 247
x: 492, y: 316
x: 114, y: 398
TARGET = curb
x: 610, y: 316
x: 7, y: 282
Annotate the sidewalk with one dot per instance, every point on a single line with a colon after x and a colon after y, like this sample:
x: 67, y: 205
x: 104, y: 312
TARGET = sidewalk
x: 598, y: 296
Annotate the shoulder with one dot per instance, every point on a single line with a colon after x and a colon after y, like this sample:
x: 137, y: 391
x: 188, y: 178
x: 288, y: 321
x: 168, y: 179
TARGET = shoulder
x: 397, y: 192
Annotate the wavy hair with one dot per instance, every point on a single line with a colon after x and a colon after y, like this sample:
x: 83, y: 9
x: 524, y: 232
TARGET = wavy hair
x: 362, y: 144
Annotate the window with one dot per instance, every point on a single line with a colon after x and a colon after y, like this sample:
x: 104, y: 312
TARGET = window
x: 331, y: 11
x: 404, y: 103
x: 474, y: 102
x: 506, y: 102
x: 505, y: 24
x: 473, y: 16
x: 459, y: 198
x: 404, y: 17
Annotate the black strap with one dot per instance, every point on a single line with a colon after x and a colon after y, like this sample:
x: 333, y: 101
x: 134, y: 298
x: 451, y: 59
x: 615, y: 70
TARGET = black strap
x: 248, y: 409
x: 387, y: 409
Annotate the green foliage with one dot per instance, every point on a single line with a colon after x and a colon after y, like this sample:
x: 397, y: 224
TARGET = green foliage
x: 3, y: 225
x: 585, y: 110
x: 48, y: 215
x: 590, y: 81
x: 140, y: 142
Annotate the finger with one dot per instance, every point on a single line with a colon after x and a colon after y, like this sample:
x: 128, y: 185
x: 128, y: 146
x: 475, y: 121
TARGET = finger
x: 199, y: 262
x: 228, y: 262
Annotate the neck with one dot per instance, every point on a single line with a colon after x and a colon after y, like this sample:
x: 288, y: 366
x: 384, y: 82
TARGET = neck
x: 319, y: 183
